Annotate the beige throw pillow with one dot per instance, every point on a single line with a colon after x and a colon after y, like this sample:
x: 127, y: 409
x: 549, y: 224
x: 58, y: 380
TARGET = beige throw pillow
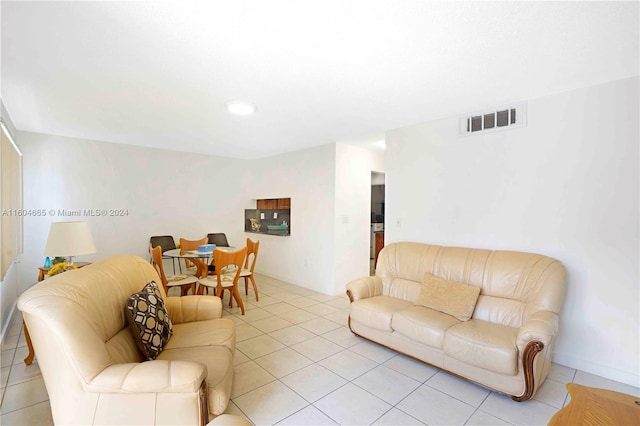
x: 449, y: 297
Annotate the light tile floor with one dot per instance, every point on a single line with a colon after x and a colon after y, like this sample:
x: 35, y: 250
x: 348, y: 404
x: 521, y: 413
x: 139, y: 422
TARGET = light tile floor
x: 297, y: 363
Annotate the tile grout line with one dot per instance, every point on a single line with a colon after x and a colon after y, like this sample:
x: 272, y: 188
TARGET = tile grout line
x: 279, y: 379
x: 378, y: 364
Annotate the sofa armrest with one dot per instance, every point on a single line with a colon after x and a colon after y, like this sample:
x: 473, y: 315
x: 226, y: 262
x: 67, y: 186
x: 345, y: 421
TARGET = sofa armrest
x: 542, y: 326
x: 364, y: 287
x: 193, y: 308
x: 159, y: 376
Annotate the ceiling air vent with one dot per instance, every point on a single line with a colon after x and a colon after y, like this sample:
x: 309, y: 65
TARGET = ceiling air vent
x: 494, y: 119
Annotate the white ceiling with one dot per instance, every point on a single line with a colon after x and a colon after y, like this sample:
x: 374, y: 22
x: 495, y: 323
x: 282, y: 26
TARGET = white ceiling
x: 158, y: 73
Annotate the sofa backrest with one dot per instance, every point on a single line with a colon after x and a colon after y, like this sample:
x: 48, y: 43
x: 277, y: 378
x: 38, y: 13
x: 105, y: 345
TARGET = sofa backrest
x: 513, y: 284
x: 80, y: 314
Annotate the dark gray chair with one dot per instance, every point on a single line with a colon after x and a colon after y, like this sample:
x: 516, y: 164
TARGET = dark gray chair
x: 167, y: 243
x: 219, y: 239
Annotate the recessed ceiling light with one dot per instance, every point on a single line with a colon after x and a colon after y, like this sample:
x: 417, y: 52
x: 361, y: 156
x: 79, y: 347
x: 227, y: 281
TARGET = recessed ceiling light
x: 240, y: 108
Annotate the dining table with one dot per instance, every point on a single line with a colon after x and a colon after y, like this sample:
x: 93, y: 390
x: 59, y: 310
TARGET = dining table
x: 200, y: 258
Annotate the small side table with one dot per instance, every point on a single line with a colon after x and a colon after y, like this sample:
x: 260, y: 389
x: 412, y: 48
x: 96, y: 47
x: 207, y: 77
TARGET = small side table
x: 597, y: 407
x: 42, y: 273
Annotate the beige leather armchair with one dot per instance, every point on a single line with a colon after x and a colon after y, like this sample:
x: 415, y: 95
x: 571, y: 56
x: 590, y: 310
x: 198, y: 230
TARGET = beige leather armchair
x: 92, y: 368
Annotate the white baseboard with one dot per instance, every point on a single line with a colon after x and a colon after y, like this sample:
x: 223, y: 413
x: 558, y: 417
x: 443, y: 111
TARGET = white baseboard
x: 8, y: 323
x: 627, y: 377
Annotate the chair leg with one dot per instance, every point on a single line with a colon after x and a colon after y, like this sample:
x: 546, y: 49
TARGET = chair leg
x: 246, y: 286
x: 236, y: 295
x: 203, y: 289
x: 255, y: 286
x: 184, y: 289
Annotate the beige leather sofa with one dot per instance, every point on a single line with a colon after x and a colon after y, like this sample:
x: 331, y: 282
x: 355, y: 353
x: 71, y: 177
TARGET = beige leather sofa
x: 91, y: 366
x: 505, y: 346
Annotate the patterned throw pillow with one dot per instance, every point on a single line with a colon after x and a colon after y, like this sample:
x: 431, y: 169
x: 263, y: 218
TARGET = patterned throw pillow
x: 149, y: 321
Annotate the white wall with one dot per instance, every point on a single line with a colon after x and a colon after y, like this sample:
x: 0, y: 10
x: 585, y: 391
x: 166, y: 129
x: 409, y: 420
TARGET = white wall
x: 330, y: 191
x: 566, y: 186
x: 189, y: 195
x: 165, y: 193
x: 353, y: 211
x: 305, y: 258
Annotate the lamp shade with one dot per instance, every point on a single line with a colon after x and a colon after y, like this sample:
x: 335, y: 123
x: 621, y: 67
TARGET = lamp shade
x: 69, y: 239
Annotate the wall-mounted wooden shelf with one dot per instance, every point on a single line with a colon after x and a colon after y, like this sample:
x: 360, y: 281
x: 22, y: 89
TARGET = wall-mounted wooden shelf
x: 274, y: 203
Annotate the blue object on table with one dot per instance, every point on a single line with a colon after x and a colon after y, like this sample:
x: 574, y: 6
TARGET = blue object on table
x: 47, y: 262
x: 206, y: 248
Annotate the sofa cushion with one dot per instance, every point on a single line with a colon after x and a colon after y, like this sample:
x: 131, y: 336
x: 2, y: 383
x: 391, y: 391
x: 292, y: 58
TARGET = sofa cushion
x: 377, y: 312
x: 450, y: 297
x: 423, y: 325
x: 149, y: 321
x: 218, y: 332
x: 484, y: 344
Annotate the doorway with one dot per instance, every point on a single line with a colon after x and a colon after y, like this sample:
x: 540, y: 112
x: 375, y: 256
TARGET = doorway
x: 377, y: 217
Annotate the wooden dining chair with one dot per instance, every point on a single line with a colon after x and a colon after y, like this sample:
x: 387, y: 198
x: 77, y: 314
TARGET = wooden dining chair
x: 187, y: 245
x: 228, y: 265
x: 247, y: 271
x: 184, y: 282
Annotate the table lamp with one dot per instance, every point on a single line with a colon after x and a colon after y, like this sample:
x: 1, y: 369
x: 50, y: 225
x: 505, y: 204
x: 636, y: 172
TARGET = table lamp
x: 69, y: 239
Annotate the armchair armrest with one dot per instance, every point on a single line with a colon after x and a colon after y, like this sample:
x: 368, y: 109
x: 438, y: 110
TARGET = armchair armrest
x: 542, y: 326
x: 364, y: 287
x: 159, y: 376
x: 193, y: 308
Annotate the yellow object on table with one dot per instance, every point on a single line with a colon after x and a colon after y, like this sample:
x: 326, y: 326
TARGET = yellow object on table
x: 44, y: 272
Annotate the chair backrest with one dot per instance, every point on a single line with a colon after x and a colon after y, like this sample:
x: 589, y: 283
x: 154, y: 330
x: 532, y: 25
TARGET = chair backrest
x: 156, y: 260
x: 219, y: 239
x: 252, y: 249
x: 165, y: 241
x: 225, y: 259
x: 187, y: 245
